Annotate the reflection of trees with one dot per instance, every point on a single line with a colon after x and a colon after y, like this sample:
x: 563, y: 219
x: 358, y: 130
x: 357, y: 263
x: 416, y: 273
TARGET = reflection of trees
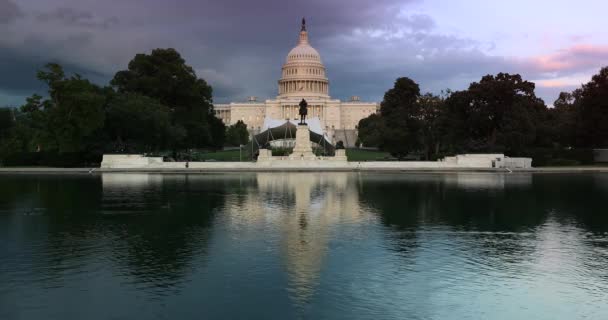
x: 480, y: 209
x: 492, y: 219
x: 153, y: 225
x: 581, y: 197
x: 158, y: 247
x: 54, y: 217
x: 481, y: 203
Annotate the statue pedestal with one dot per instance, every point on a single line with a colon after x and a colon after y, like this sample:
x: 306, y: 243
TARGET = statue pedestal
x: 303, y: 147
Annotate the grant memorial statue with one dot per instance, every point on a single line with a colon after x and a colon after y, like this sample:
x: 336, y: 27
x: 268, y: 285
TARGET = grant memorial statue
x: 303, y: 111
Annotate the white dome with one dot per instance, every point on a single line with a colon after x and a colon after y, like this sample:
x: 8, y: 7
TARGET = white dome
x: 303, y: 51
x: 303, y: 74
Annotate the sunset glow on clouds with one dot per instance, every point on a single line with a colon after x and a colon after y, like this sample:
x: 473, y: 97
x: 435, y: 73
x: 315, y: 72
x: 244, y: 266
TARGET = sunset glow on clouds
x: 239, y: 45
x: 575, y: 58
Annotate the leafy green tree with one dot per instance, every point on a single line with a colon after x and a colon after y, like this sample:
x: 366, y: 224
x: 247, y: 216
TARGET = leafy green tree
x: 563, y: 119
x: 7, y: 128
x: 433, y: 124
x: 218, y: 132
x: 591, y: 111
x: 402, y: 118
x: 137, y: 123
x: 499, y: 113
x: 165, y: 76
x: 7, y: 122
x: 371, y: 130
x: 34, y: 116
x: 68, y: 120
x: 237, y: 134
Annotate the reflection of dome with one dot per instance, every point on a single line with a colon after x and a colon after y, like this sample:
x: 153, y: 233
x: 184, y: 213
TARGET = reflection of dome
x: 303, y: 72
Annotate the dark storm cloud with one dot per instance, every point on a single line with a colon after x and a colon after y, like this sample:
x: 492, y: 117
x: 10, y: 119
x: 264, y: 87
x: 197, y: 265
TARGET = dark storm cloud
x: 19, y: 76
x: 9, y: 11
x: 77, y: 18
x: 238, y: 46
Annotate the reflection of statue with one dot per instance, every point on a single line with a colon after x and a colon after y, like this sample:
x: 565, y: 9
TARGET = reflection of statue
x: 303, y: 111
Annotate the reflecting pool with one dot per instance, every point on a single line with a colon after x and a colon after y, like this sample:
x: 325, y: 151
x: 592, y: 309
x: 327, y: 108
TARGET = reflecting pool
x: 304, y: 246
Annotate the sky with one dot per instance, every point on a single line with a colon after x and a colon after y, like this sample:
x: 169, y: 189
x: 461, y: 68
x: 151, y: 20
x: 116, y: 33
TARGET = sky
x: 239, y: 46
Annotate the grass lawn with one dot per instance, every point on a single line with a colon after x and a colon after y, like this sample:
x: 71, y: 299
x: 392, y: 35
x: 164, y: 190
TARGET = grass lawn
x: 225, y: 155
x: 366, y: 155
x: 233, y: 155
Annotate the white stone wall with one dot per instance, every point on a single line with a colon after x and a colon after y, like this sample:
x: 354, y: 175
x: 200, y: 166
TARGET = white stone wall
x: 600, y: 155
x: 128, y: 161
x: 267, y: 161
x: 488, y: 161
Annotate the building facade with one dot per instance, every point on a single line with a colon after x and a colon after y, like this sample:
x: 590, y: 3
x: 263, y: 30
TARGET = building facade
x: 303, y: 76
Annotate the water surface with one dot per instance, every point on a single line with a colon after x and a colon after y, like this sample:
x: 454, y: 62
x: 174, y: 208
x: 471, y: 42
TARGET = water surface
x: 304, y: 246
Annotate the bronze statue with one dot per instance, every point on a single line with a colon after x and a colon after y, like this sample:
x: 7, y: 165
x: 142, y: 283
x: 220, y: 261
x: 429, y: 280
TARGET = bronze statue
x: 303, y: 111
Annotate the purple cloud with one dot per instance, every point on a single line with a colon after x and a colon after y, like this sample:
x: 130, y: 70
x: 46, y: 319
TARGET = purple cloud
x: 9, y: 11
x: 240, y: 45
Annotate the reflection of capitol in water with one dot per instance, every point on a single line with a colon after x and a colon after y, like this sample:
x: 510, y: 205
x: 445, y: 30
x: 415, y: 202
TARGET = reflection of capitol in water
x: 319, y: 202
x: 302, y: 212
x: 304, y: 245
x: 301, y: 209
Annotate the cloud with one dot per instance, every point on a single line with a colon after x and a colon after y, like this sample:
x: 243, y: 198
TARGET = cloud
x: 9, y: 11
x: 580, y: 57
x: 72, y: 17
x: 224, y: 87
x: 238, y: 46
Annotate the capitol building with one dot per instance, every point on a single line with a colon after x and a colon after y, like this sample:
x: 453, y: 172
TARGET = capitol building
x: 303, y: 76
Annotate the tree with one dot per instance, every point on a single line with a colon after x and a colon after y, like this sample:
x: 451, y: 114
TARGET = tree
x: 7, y: 122
x: 165, y: 76
x: 218, y: 132
x: 499, y: 113
x: 237, y: 134
x: 7, y: 125
x: 74, y: 112
x: 402, y: 118
x: 371, y: 130
x: 137, y: 123
x: 591, y: 108
x: 432, y: 109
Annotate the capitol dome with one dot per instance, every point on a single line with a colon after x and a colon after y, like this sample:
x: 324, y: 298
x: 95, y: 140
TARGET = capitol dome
x: 303, y: 51
x: 303, y: 74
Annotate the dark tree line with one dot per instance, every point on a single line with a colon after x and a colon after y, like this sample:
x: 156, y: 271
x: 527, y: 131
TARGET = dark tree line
x: 157, y: 104
x: 499, y: 113
x: 237, y: 134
